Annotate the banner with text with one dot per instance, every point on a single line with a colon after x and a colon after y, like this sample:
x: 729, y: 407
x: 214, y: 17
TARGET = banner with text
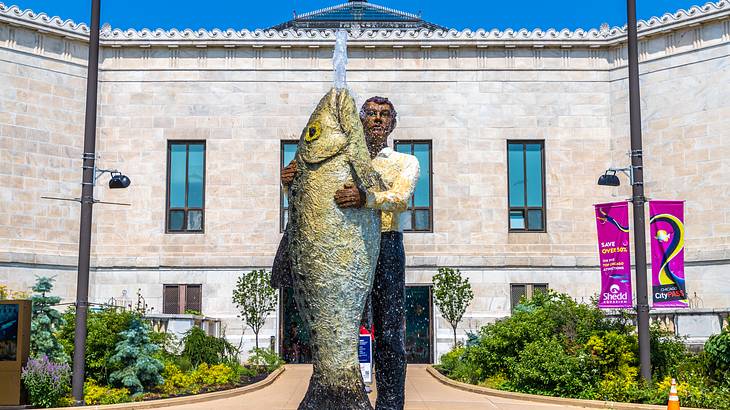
x: 666, y: 219
x: 612, y: 222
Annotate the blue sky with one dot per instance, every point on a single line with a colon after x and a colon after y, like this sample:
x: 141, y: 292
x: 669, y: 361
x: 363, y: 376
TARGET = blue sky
x: 458, y: 14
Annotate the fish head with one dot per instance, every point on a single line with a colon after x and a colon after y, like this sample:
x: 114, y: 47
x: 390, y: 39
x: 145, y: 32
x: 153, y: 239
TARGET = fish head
x: 325, y: 134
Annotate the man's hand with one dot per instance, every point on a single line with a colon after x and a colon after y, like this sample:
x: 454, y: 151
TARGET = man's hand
x: 349, y: 197
x: 288, y: 173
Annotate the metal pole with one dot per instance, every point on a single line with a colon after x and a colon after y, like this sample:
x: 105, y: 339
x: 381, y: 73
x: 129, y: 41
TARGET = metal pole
x: 87, y: 202
x: 638, y: 199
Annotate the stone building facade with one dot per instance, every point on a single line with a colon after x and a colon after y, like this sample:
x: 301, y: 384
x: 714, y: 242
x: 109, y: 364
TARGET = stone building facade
x: 468, y: 93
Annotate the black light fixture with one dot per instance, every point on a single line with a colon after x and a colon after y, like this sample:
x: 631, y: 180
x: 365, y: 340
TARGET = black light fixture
x: 119, y: 180
x: 607, y: 179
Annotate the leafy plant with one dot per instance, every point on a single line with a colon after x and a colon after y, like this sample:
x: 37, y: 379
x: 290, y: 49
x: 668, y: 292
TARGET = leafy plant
x: 45, y: 381
x: 452, y: 294
x: 717, y: 348
x: 8, y: 294
x: 553, y: 345
x: 265, y: 358
x: 104, y: 331
x: 96, y: 394
x: 544, y: 367
x: 200, y: 348
x: 45, y: 322
x: 255, y: 299
x: 133, y: 353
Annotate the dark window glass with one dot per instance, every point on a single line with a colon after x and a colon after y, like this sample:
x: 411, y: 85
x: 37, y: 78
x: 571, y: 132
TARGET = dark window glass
x: 288, y: 151
x: 526, y: 290
x: 419, y: 216
x: 170, y: 299
x: 177, y: 299
x: 526, y: 185
x: 516, y: 294
x: 185, y: 186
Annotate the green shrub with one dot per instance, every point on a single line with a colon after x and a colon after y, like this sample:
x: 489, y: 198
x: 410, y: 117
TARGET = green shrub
x: 200, y: 348
x: 104, y: 329
x: 214, y: 376
x: 177, y: 381
x: 667, y: 352
x: 46, y: 382
x: 139, y: 370
x: 544, y: 367
x: 451, y: 360
x: 96, y: 394
x: 717, y: 348
x: 611, y: 351
x: 266, y: 359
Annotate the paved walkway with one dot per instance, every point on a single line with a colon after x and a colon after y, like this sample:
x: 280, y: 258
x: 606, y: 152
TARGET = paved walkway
x: 423, y: 392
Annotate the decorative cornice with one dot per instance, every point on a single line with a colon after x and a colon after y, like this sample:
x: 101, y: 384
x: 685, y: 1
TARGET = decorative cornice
x: 604, y: 36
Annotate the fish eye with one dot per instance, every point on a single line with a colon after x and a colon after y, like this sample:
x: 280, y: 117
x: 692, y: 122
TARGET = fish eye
x: 312, y: 131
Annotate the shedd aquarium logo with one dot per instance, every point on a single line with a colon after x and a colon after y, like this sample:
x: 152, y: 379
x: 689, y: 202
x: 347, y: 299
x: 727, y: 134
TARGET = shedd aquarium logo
x: 615, y: 294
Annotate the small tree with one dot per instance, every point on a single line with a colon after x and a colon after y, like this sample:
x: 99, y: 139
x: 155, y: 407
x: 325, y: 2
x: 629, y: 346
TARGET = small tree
x: 255, y: 299
x: 453, y: 294
x: 45, y: 322
x: 134, y: 352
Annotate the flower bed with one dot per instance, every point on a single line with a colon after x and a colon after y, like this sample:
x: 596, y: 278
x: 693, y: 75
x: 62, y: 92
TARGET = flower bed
x: 554, y: 346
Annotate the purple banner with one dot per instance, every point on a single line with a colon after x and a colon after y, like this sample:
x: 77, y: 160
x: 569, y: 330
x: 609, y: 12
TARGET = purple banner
x: 666, y: 219
x: 612, y: 222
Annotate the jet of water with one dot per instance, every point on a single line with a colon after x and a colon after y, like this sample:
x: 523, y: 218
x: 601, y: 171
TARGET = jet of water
x: 339, y: 60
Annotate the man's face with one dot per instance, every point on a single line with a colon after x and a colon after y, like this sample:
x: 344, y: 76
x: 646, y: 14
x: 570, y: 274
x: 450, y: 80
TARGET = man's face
x: 378, y: 122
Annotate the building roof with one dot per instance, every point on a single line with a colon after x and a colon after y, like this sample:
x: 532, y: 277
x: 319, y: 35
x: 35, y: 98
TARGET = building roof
x: 357, y: 14
x: 594, y: 37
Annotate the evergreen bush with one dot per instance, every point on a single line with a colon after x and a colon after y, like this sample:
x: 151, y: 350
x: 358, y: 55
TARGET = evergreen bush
x: 45, y: 322
x: 199, y: 348
x: 139, y: 371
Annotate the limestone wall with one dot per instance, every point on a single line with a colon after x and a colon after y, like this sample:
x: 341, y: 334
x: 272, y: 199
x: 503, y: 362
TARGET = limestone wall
x: 42, y: 94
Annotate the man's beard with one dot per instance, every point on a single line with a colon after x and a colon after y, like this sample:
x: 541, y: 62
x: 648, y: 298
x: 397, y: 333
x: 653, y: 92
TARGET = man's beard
x: 376, y: 140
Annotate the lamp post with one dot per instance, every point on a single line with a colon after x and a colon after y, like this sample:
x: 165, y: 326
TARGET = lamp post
x: 637, y: 197
x: 87, y: 202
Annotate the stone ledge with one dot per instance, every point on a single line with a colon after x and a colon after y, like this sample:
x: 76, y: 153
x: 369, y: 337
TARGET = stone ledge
x: 595, y: 404
x: 196, y: 398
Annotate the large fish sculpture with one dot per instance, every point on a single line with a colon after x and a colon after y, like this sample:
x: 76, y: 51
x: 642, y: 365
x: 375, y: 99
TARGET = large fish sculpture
x: 332, y: 251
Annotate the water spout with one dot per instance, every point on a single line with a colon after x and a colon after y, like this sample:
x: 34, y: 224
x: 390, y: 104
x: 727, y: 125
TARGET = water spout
x: 339, y: 60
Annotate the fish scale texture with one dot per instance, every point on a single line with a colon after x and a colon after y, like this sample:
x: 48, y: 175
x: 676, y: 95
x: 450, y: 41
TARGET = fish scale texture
x: 333, y: 251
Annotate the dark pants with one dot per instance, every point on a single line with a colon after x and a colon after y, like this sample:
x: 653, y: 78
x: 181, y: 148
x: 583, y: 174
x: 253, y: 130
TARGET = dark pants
x: 389, y: 321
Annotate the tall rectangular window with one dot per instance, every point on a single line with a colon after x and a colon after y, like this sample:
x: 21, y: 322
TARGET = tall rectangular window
x: 526, y: 174
x: 419, y: 215
x: 185, y: 186
x: 288, y: 150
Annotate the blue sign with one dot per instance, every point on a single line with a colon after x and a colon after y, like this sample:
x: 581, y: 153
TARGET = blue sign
x: 364, y: 352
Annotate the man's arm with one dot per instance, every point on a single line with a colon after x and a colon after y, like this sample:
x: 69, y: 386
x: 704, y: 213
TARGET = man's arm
x: 394, y: 199
x: 397, y: 197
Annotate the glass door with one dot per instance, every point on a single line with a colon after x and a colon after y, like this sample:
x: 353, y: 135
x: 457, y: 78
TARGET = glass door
x: 419, y: 329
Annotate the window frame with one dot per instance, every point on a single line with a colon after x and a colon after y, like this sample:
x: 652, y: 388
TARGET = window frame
x: 185, y: 209
x: 182, y: 297
x: 411, y: 206
x: 525, y: 209
x: 282, y: 209
x: 529, y: 291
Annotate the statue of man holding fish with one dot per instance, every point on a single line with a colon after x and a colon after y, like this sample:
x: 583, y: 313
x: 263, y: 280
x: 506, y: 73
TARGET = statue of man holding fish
x: 346, y: 189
